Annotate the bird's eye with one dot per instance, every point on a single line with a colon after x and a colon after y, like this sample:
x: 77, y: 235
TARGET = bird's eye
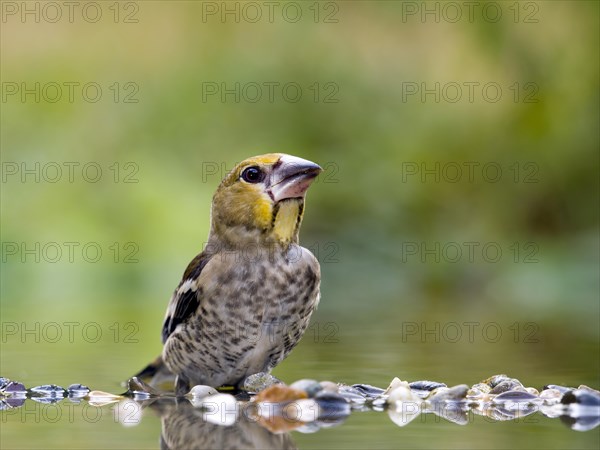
x: 253, y: 175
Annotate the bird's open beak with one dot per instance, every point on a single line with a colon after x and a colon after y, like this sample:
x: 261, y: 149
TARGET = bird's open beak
x: 292, y: 177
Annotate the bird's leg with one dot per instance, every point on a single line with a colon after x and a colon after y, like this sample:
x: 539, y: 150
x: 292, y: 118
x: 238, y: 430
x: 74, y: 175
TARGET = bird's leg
x: 182, y: 386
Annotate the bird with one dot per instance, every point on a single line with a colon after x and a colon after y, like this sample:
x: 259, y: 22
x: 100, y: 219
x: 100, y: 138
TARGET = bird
x: 246, y: 300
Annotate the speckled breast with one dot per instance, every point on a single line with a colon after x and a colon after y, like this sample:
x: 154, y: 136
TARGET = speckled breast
x: 253, y: 309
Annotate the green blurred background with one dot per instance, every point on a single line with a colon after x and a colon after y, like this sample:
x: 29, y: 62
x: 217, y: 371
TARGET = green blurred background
x: 163, y: 143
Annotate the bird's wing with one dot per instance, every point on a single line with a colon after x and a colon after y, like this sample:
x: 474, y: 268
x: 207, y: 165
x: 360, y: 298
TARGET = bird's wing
x: 186, y: 297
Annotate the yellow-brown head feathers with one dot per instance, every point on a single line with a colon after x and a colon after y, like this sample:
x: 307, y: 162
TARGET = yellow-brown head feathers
x: 261, y: 200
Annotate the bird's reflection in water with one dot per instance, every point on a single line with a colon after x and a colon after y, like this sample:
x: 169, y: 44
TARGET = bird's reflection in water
x: 186, y: 427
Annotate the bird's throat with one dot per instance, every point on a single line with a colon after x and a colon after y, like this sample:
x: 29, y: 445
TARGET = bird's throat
x: 287, y: 220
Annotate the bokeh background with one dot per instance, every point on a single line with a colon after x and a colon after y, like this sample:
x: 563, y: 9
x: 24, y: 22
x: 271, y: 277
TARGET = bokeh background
x: 385, y: 219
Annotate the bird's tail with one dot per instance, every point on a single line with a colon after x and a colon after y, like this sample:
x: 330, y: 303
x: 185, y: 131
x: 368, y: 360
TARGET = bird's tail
x: 157, y: 375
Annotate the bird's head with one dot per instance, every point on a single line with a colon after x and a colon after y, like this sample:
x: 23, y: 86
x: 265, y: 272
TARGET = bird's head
x: 262, y: 200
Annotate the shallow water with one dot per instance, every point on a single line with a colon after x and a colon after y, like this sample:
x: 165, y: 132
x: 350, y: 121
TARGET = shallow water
x: 101, y: 421
x: 65, y: 425
x: 367, y: 347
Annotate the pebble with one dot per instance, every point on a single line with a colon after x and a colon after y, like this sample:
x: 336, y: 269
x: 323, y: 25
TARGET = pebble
x: 311, y: 387
x: 426, y: 385
x: 77, y: 390
x: 201, y: 391
x: 561, y: 389
x: 495, y: 380
x: 506, y: 385
x: 423, y: 388
x: 100, y: 398
x: 402, y: 398
x: 454, y: 394
x: 583, y: 397
x: 313, y: 405
x: 259, y: 382
x: 329, y: 386
x: 368, y: 391
x: 128, y: 412
x: 304, y: 410
x: 332, y: 406
x: 478, y: 391
x: 404, y: 405
x: 279, y: 393
x: 533, y: 391
x: 396, y: 382
x: 515, y: 396
x: 220, y: 409
x: 551, y: 395
x: 48, y: 390
x: 454, y: 412
x: 137, y: 389
x: 3, y: 383
x: 47, y: 400
x: 353, y: 395
x: 14, y: 389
